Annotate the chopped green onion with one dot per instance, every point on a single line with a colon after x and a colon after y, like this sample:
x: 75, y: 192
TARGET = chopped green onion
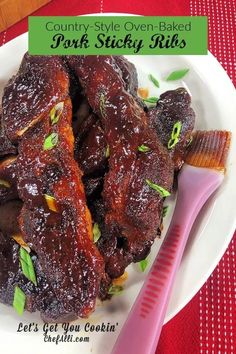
x: 177, y: 75
x: 176, y: 129
x: 143, y: 148
x: 56, y: 112
x: 163, y: 192
x: 175, y: 135
x: 153, y: 80
x: 27, y: 266
x: 51, y: 141
x: 107, y: 153
x: 4, y: 183
x: 102, y: 102
x: 96, y: 232
x: 115, y: 290
x: 164, y: 211
x: 172, y: 143
x: 143, y: 264
x: 19, y: 300
x: 151, y: 99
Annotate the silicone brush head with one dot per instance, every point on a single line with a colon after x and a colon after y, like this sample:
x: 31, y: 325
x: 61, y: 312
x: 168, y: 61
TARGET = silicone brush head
x: 209, y: 149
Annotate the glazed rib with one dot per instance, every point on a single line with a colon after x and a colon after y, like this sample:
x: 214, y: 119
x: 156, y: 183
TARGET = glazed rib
x: 39, y: 84
x: 41, y: 298
x: 90, y: 148
x: 132, y: 208
x: 174, y: 106
x: 8, y: 179
x: 6, y: 147
x: 62, y: 238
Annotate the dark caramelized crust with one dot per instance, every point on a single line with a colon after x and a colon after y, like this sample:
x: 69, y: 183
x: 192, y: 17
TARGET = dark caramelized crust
x: 90, y: 142
x: 9, y: 213
x: 90, y: 151
x: 6, y: 147
x: 62, y: 236
x: 40, y: 83
x: 40, y: 297
x: 8, y: 179
x: 129, y: 74
x: 132, y: 207
x: 62, y: 239
x: 174, y: 106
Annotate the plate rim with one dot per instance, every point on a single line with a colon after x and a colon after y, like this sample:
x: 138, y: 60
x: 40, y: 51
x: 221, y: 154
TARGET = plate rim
x: 230, y: 234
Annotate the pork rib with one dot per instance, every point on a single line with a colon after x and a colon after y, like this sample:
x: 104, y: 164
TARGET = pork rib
x: 61, y: 238
x: 8, y: 179
x: 172, y: 107
x: 132, y: 208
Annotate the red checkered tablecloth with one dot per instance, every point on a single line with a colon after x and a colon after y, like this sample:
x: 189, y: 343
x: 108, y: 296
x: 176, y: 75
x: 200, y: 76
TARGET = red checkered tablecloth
x: 207, y: 323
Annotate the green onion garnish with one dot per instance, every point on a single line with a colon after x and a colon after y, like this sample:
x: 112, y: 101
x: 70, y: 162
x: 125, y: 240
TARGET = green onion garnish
x: 107, y: 153
x: 143, y: 264
x: 115, y: 290
x: 4, y: 183
x: 177, y: 75
x: 27, y: 266
x: 51, y: 141
x: 56, y: 112
x: 143, y: 148
x: 96, y: 232
x: 19, y: 300
x: 163, y: 192
x: 164, y: 211
x: 102, y: 102
x: 153, y: 80
x: 172, y: 143
x: 176, y: 129
x: 175, y: 135
x: 151, y: 99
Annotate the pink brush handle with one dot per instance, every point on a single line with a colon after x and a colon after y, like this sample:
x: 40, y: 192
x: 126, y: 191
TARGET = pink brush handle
x: 141, y: 331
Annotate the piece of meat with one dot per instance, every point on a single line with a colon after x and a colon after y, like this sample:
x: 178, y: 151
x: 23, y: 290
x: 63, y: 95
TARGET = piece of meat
x: 6, y: 147
x: 10, y: 272
x: 63, y: 242
x: 9, y: 213
x: 39, y: 298
x: 62, y: 238
x: 91, y: 145
x: 91, y: 149
x: 80, y: 117
x: 93, y: 185
x: 8, y: 179
x: 40, y: 83
x: 172, y: 107
x: 130, y: 77
x: 132, y: 207
x: 129, y: 74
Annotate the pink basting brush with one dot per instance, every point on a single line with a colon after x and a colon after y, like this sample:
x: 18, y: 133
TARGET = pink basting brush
x: 201, y: 175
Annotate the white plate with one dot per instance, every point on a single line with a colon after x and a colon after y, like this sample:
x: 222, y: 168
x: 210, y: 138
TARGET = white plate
x: 213, y: 99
